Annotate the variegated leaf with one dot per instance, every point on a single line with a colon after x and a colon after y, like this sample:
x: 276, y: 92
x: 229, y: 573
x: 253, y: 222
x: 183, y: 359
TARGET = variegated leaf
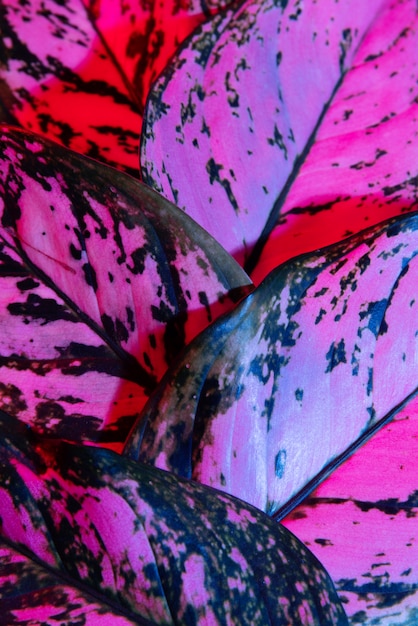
x: 270, y: 397
x: 362, y: 525
x: 58, y: 79
x: 253, y: 97
x: 33, y: 595
x: 363, y: 165
x: 78, y: 72
x: 144, y: 35
x: 163, y: 548
x: 98, y: 289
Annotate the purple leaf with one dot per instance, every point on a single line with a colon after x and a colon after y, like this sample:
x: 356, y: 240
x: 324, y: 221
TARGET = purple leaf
x: 159, y: 547
x: 98, y: 277
x: 267, y: 400
x: 264, y: 111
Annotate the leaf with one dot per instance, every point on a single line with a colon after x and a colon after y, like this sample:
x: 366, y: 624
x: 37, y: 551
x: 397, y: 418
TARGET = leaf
x: 270, y: 398
x: 79, y: 72
x: 144, y: 35
x: 361, y: 523
x: 362, y: 167
x: 33, y: 595
x: 229, y: 109
x: 98, y: 295
x: 162, y: 548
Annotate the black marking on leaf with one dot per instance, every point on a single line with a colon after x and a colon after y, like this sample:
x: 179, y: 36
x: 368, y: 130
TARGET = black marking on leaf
x: 52, y: 420
x: 78, y: 359
x: 203, y: 299
x: 138, y: 257
x: 90, y: 275
x: 27, y: 284
x: 277, y: 140
x: 299, y: 395
x: 362, y: 164
x: 345, y: 45
x: 76, y: 253
x: 37, y: 308
x: 213, y: 170
x: 12, y: 399
x: 336, y: 355
x: 375, y: 313
x: 324, y: 542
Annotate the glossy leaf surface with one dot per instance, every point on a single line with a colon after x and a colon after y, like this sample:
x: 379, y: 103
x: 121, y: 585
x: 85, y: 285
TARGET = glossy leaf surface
x: 163, y: 548
x: 322, y: 351
x: 362, y: 525
x: 229, y: 109
x: 98, y: 295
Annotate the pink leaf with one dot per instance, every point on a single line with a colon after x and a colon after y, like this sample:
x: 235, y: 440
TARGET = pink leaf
x: 79, y: 72
x: 159, y: 548
x: 255, y: 104
x: 97, y: 289
x: 273, y: 395
x: 361, y: 523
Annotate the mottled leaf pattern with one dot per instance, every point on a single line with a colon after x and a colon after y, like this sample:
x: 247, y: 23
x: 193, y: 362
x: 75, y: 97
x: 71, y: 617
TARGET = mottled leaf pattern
x: 57, y: 78
x: 143, y: 35
x: 362, y: 525
x: 165, y: 549
x: 321, y: 352
x: 78, y: 72
x: 363, y: 166
x: 98, y: 295
x: 32, y: 595
x: 229, y: 109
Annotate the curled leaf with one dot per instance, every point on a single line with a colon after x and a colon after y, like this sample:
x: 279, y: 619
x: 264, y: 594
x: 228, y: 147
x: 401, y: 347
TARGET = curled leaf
x: 268, y: 399
x: 162, y: 548
x: 98, y: 296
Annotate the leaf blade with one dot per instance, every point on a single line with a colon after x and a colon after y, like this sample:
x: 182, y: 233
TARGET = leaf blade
x: 102, y: 269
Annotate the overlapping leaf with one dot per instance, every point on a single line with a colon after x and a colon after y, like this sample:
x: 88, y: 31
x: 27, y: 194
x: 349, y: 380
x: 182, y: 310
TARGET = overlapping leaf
x: 162, y: 548
x: 78, y: 72
x: 363, y: 166
x: 144, y: 35
x: 320, y: 353
x: 98, y: 289
x: 362, y: 525
x: 231, y: 111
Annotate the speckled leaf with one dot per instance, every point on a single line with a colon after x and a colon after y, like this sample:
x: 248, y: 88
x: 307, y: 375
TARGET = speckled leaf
x: 363, y: 166
x: 79, y: 72
x: 243, y: 104
x: 166, y: 549
x: 269, y: 398
x: 362, y: 525
x: 33, y: 595
x: 98, y: 281
x: 143, y: 35
x: 59, y: 79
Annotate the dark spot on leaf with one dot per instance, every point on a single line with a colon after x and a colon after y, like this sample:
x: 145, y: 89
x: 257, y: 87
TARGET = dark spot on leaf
x: 336, y: 355
x: 280, y: 463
